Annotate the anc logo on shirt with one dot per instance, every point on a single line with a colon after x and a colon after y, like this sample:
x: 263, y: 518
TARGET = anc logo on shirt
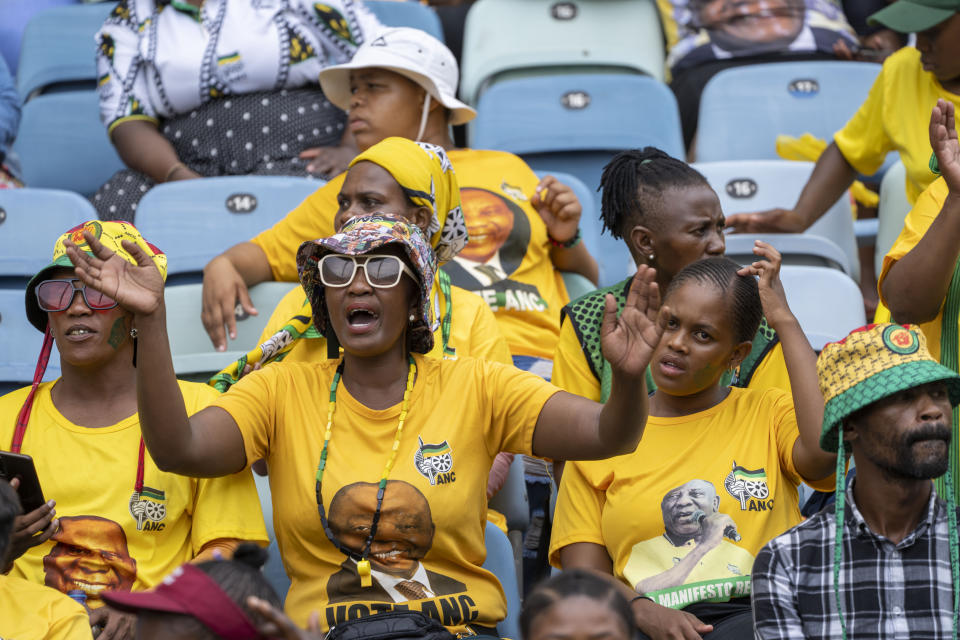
x: 900, y: 340
x: 435, y: 463
x: 749, y: 487
x: 147, y: 508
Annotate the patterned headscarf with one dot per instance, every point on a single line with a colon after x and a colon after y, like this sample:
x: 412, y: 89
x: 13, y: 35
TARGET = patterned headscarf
x: 427, y: 178
x: 360, y: 236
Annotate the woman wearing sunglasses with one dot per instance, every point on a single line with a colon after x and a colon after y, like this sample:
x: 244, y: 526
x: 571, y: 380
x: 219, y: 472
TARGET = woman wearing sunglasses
x: 379, y: 459
x: 113, y: 520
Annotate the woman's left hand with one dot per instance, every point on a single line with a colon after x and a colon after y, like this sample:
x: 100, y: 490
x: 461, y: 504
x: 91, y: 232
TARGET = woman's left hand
x: 559, y: 207
x: 328, y: 161
x: 772, y: 295
x: 628, y: 341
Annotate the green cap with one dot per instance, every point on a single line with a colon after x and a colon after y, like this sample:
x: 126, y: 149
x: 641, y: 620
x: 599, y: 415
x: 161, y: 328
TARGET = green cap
x: 910, y: 16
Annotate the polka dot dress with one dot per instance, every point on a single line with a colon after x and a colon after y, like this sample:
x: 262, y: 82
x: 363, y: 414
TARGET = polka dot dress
x: 253, y: 134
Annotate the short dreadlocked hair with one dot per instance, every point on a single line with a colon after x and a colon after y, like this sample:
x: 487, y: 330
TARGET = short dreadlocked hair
x: 633, y: 180
x: 746, y: 311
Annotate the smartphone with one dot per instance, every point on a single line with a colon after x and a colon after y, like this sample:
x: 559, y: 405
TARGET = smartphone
x: 17, y: 465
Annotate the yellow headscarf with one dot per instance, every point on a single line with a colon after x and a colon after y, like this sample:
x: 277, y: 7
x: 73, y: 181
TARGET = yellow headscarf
x: 426, y: 176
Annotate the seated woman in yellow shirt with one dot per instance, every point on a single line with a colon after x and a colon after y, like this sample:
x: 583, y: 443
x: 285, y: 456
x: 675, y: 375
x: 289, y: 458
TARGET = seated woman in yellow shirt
x: 679, y: 520
x: 523, y: 231
x: 121, y: 523
x: 393, y: 512
x: 416, y: 182
x: 893, y: 117
x: 669, y: 217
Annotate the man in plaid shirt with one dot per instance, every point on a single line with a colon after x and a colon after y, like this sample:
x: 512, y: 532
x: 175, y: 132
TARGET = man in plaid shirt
x: 888, y: 574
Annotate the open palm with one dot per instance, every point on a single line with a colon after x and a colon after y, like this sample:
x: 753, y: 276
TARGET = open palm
x: 628, y: 341
x: 943, y: 139
x: 137, y: 288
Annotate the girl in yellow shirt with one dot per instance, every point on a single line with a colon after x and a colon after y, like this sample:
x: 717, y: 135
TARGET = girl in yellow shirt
x: 379, y: 459
x: 679, y: 520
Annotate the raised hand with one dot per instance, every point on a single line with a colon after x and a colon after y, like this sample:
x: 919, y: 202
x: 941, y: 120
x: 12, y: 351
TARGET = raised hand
x: 137, y: 288
x: 628, y: 341
x: 943, y: 140
x: 773, y: 297
x: 559, y: 207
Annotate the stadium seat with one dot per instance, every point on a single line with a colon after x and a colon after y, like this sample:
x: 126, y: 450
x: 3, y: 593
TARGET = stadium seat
x: 193, y: 354
x: 219, y: 213
x: 59, y: 50
x: 758, y: 185
x: 63, y: 145
x: 826, y: 302
x: 16, y: 15
x: 20, y: 343
x: 577, y: 285
x: 744, y: 109
x: 574, y: 124
x: 500, y: 563
x: 503, y: 36
x: 893, y: 210
x: 511, y: 500
x: 30, y: 222
x: 407, y: 14
x: 273, y: 571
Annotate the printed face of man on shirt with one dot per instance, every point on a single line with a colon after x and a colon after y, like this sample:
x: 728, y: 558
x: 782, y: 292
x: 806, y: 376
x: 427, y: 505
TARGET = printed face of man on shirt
x: 405, y: 530
x: 681, y: 504
x: 738, y: 24
x: 489, y: 223
x: 91, y: 555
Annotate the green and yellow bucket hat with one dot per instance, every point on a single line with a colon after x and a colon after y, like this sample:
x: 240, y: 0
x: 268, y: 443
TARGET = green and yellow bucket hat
x: 872, y: 363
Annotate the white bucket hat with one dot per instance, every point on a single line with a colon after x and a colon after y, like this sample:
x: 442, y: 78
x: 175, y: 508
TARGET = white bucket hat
x: 412, y: 53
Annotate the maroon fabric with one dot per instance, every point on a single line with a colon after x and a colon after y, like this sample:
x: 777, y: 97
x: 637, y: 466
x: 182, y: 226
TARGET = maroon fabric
x: 191, y: 592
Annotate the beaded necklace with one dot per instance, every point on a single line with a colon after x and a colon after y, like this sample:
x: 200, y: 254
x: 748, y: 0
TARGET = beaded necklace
x: 363, y: 563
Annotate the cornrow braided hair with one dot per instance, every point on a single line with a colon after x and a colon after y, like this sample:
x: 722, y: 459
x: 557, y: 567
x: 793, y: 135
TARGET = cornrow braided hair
x: 575, y: 582
x: 721, y: 272
x: 634, y: 180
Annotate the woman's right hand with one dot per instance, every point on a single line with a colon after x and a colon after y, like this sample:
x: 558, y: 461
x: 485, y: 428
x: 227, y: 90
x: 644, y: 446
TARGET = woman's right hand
x: 137, y: 288
x: 223, y: 286
x: 664, y: 623
x: 772, y: 221
x: 943, y: 140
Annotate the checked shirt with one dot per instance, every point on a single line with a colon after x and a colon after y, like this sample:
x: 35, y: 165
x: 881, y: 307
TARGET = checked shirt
x: 888, y: 590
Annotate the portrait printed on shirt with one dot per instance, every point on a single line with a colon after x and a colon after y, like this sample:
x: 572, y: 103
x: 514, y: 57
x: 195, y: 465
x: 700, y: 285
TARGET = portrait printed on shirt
x: 697, y: 557
x: 89, y: 554
x: 499, y: 239
x: 718, y: 29
x: 403, y: 538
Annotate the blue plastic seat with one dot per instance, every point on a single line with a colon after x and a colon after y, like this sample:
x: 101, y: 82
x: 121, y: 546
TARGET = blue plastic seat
x: 758, y: 185
x: 575, y: 123
x: 407, y: 14
x: 219, y: 212
x: 503, y: 36
x: 20, y: 343
x: 30, y: 222
x: 273, y: 571
x: 16, y: 15
x: 63, y: 145
x: 744, y: 109
x: 826, y: 302
x: 500, y: 563
x: 892, y: 212
x: 511, y: 500
x: 59, y: 48
x: 193, y: 353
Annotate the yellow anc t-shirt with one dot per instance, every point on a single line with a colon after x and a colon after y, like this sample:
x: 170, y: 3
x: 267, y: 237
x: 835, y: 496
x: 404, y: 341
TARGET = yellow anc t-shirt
x: 732, y: 462
x: 924, y: 211
x: 507, y: 261
x: 572, y: 373
x: 473, y: 329
x: 429, y: 545
x: 110, y: 538
x: 30, y: 611
x: 896, y: 117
